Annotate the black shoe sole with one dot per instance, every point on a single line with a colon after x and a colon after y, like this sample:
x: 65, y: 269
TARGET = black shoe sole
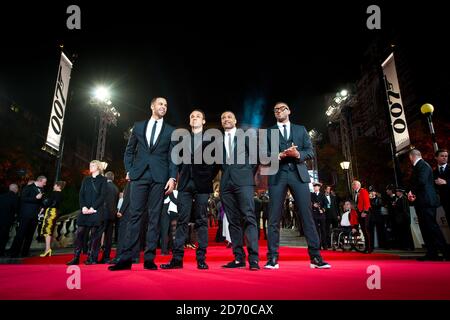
x: 111, y: 268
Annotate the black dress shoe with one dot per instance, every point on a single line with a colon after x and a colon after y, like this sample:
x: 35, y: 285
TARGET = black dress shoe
x: 113, y: 261
x: 234, y: 264
x: 150, y: 265
x: 202, y: 265
x: 254, y: 266
x: 121, y: 265
x: 74, y: 261
x: 173, y: 264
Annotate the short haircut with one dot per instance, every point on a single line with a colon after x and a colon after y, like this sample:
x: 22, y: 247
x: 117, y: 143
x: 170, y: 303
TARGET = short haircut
x: 199, y: 110
x: 40, y: 178
x: 156, y: 98
x: 415, y: 152
x: 356, y: 182
x: 61, y: 184
x: 226, y: 112
x: 439, y: 151
x: 109, y: 175
x: 281, y: 102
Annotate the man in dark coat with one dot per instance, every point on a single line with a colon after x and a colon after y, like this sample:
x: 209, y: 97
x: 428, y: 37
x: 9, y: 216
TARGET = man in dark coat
x: 9, y: 206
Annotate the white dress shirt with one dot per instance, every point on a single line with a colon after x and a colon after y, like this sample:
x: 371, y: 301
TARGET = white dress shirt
x: 157, y: 131
x: 345, y: 221
x: 288, y: 128
x: 417, y: 160
x: 229, y: 134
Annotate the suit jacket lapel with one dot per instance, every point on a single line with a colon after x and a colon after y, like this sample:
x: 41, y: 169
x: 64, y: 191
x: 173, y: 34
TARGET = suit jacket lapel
x: 159, y: 137
x: 144, y: 134
x: 294, y: 134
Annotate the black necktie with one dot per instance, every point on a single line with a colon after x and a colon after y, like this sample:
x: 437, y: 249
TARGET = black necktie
x: 285, y: 132
x: 152, y: 136
x: 442, y: 170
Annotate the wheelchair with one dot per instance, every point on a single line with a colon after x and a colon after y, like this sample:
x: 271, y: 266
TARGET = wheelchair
x: 344, y: 239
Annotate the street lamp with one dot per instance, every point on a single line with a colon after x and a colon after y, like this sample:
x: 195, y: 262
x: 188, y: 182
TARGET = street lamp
x: 108, y: 115
x: 345, y: 165
x: 427, y: 110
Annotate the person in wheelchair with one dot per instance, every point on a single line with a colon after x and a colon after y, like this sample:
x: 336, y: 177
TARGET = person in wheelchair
x: 348, y: 228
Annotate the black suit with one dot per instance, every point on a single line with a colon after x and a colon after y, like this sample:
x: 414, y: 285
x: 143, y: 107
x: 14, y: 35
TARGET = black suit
x: 149, y: 168
x: 292, y: 174
x: 422, y: 186
x: 319, y: 216
x: 28, y: 220
x: 195, y: 183
x: 109, y: 216
x: 331, y: 213
x: 237, y: 187
x: 444, y: 190
x: 9, y: 206
x: 123, y: 224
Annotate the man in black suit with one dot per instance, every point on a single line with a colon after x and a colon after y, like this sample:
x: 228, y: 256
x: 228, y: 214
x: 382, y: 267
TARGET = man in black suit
x: 9, y: 206
x: 319, y: 203
x: 294, y: 149
x: 109, y: 215
x: 331, y: 213
x: 152, y: 173
x: 426, y: 200
x: 442, y: 180
x: 30, y: 204
x: 258, y: 211
x: 195, y: 183
x: 236, y: 190
x: 123, y: 216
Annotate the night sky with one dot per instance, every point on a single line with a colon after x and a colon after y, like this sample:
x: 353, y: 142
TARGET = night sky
x: 211, y: 56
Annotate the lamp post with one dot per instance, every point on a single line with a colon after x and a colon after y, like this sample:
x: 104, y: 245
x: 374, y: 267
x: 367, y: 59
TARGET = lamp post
x: 427, y: 110
x: 108, y: 116
x: 345, y: 165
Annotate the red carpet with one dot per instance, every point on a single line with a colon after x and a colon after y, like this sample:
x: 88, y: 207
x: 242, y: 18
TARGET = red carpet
x: 46, y: 278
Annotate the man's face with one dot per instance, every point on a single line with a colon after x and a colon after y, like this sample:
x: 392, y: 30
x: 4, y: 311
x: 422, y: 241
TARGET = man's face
x: 412, y: 159
x: 442, y: 158
x: 316, y: 188
x: 196, y: 119
x: 355, y: 186
x: 281, y: 111
x: 347, y: 206
x: 389, y: 192
x: 41, y: 183
x: 328, y: 190
x: 159, y: 107
x: 228, y: 120
x: 398, y: 193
